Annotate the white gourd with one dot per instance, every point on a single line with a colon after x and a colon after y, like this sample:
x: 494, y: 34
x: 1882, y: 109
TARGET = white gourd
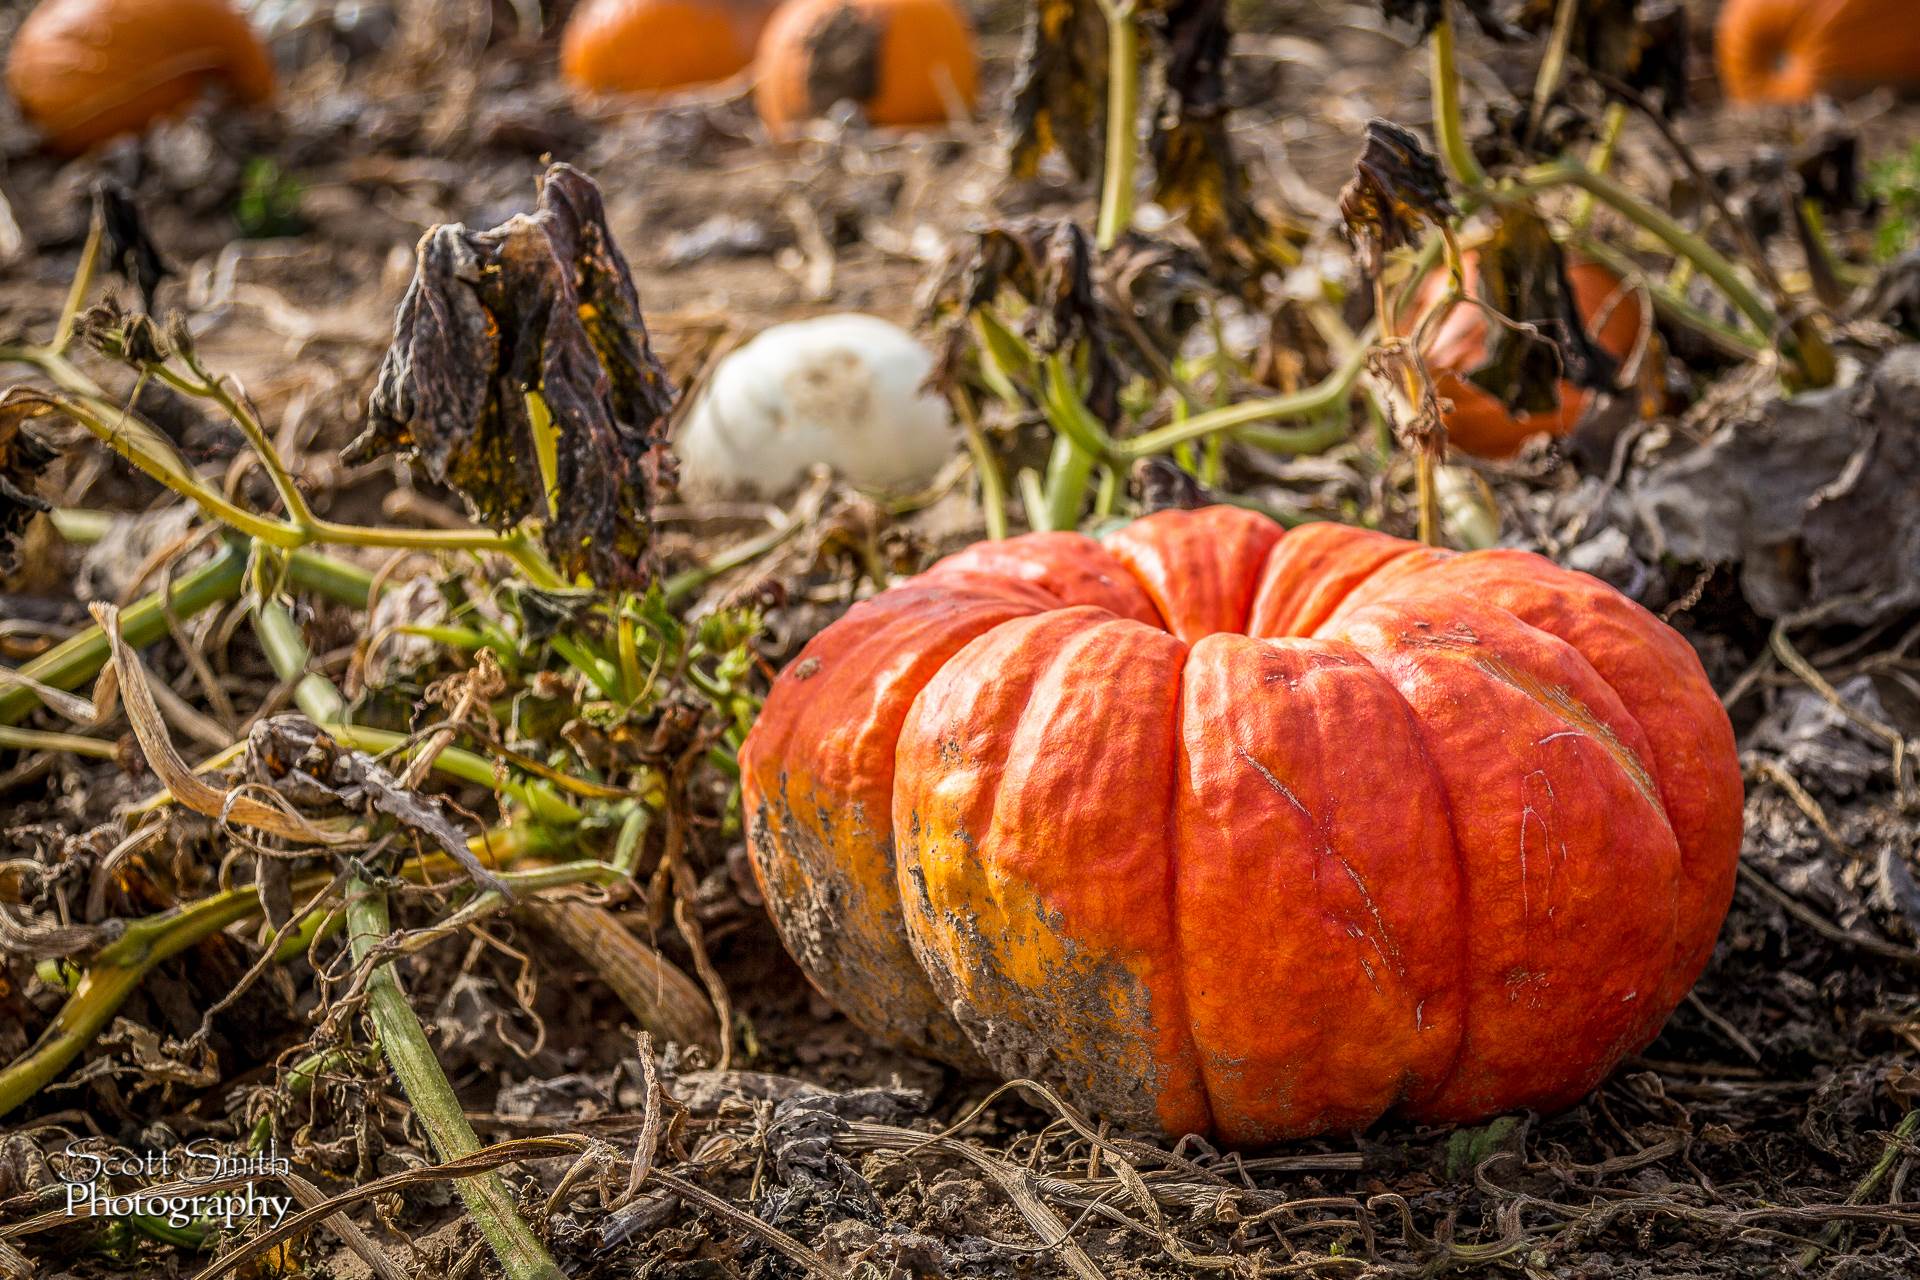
x: 839, y: 390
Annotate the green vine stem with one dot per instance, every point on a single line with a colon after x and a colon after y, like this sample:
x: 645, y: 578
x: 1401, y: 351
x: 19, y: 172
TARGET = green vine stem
x: 287, y: 653
x: 993, y: 481
x: 216, y: 390
x: 1808, y: 354
x: 1449, y: 121
x: 1080, y: 443
x: 117, y: 968
x: 1672, y: 307
x: 119, y: 429
x: 1069, y: 469
x: 1123, y: 122
x: 78, y: 659
x: 1600, y: 160
x: 404, y: 1042
x: 1663, y: 226
x: 14, y: 739
x: 1324, y: 396
x: 82, y: 282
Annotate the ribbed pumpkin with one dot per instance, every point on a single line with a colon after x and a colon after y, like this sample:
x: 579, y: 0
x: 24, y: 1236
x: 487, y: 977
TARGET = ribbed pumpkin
x: 651, y: 46
x: 904, y: 62
x: 1792, y: 50
x: 1228, y: 830
x: 87, y: 71
x: 1478, y: 423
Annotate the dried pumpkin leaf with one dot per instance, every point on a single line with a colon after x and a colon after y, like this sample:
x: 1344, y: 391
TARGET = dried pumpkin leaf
x: 1050, y: 266
x: 1195, y: 169
x: 1542, y: 339
x: 1639, y: 43
x: 125, y: 246
x: 187, y: 787
x: 1514, y: 137
x: 299, y: 761
x: 1425, y: 15
x: 541, y: 304
x: 1059, y: 100
x: 23, y: 457
x: 1397, y: 188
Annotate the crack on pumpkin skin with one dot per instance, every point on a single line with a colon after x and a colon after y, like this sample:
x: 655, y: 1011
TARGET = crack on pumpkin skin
x: 1381, y: 939
x: 1557, y: 702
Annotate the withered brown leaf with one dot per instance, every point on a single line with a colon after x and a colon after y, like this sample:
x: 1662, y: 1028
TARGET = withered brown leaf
x: 1425, y: 15
x: 1049, y: 264
x: 1397, y: 188
x: 125, y: 247
x: 23, y: 457
x: 1196, y: 171
x: 1639, y: 43
x: 295, y: 757
x: 1523, y: 277
x: 542, y: 303
x: 1060, y: 89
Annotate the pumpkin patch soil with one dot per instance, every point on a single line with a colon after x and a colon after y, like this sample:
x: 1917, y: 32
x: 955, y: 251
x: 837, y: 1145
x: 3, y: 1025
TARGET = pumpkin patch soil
x: 1769, y: 1130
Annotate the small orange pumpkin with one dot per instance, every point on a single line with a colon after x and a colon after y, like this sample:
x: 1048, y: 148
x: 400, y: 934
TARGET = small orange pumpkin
x: 651, y: 46
x: 1792, y: 50
x: 87, y: 71
x: 1478, y: 423
x: 904, y: 62
x: 1226, y: 828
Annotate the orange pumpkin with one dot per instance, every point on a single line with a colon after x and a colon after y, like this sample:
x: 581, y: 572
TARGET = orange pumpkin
x: 649, y: 46
x: 86, y: 71
x: 1226, y: 829
x: 1478, y: 423
x: 1793, y: 50
x: 904, y: 62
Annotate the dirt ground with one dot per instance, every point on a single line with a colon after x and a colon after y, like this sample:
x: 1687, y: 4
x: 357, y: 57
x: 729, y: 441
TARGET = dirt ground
x: 1768, y: 1131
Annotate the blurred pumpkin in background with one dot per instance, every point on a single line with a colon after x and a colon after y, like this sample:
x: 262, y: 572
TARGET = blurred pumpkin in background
x: 1478, y: 423
x: 651, y: 46
x: 1793, y: 50
x: 86, y: 71
x: 902, y: 62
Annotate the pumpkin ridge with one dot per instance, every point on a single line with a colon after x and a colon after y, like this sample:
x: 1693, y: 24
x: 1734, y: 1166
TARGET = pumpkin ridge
x: 1024, y: 898
x: 808, y: 856
x: 1462, y: 877
x: 1182, y: 971
x: 1611, y: 632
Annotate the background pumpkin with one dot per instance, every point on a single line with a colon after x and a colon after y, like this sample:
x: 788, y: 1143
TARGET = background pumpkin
x: 1792, y: 50
x: 87, y: 71
x: 1227, y: 831
x: 903, y: 61
x: 649, y: 46
x: 1478, y: 423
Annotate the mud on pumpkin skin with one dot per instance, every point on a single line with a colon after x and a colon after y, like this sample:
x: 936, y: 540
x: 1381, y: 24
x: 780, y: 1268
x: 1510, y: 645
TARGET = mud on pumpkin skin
x: 1259, y: 834
x: 903, y: 62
